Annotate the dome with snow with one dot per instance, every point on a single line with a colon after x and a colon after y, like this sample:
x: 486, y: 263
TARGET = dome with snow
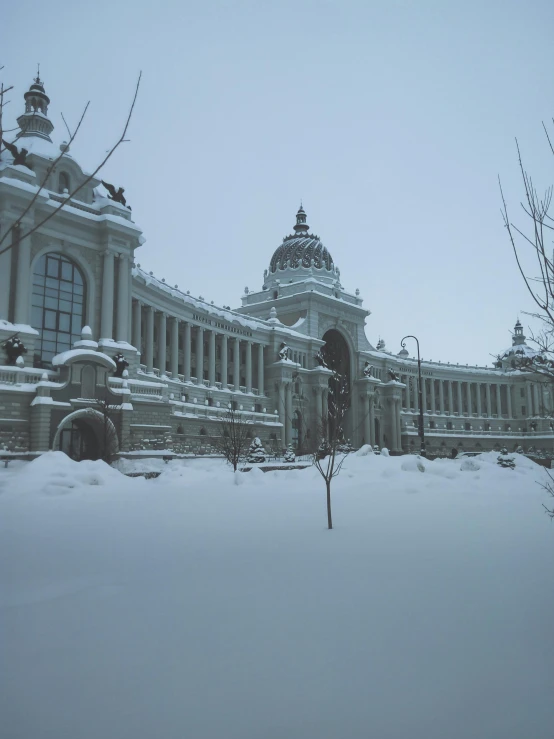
x: 519, y: 350
x: 301, y: 255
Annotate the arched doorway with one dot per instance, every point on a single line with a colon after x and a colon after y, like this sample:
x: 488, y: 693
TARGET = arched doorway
x: 79, y: 441
x: 87, y: 434
x: 337, y: 358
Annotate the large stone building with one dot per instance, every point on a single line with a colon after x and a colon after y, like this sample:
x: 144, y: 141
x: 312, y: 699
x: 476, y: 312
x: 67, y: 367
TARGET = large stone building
x: 72, y: 295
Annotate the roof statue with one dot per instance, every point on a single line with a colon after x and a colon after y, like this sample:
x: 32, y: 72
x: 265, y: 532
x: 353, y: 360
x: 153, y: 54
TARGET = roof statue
x: 116, y: 195
x: 19, y: 155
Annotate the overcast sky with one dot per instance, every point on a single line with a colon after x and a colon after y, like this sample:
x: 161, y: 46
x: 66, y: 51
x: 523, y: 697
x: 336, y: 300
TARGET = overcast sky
x: 391, y: 120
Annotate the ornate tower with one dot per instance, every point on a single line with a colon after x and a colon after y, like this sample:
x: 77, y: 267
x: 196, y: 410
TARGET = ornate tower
x: 301, y: 227
x: 35, y: 121
x: 518, y: 337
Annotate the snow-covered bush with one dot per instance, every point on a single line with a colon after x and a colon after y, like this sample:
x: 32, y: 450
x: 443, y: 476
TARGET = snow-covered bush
x: 376, y: 449
x: 256, y: 453
x: 385, y: 452
x: 506, y: 460
x: 364, y: 450
x: 289, y: 455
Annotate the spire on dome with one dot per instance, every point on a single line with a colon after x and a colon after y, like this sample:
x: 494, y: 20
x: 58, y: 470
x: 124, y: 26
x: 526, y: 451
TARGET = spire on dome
x: 518, y: 337
x: 34, y: 121
x: 301, y: 226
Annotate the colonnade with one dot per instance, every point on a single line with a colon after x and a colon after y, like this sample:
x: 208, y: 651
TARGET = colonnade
x: 214, y: 353
x: 472, y: 398
x: 119, y: 297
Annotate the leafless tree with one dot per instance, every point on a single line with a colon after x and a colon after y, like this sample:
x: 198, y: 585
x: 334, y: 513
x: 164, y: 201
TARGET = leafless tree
x: 534, y: 239
x: 332, y: 452
x: 234, y: 439
x: 13, y: 234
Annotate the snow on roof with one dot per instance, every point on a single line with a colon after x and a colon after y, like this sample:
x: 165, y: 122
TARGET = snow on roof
x: 230, y: 315
x: 17, y: 327
x: 75, y: 355
x: 39, y: 146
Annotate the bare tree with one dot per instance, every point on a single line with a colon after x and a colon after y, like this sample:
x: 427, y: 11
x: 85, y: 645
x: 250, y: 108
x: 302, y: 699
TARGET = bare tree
x: 233, y: 440
x: 14, y: 231
x: 534, y: 239
x: 537, y: 238
x: 332, y: 452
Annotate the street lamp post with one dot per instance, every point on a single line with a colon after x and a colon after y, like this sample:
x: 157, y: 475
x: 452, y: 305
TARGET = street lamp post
x: 419, y: 394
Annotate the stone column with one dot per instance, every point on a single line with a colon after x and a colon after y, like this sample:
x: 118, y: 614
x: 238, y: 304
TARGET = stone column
x: 424, y: 394
x: 441, y: 397
x: 498, y: 402
x: 122, y: 299
x: 318, y: 406
x: 236, y: 364
x: 162, y: 348
x: 432, y: 391
x: 325, y: 405
x: 186, y: 351
x: 450, y: 398
x: 399, y: 427
x: 372, y: 420
x: 288, y: 435
x: 415, y: 395
x: 248, y: 366
x: 211, y: 359
x: 536, y: 405
x: 394, y: 428
x: 261, y: 369
x: 149, y: 343
x: 509, y: 400
x: 282, y: 411
x: 23, y: 278
x: 459, y: 394
x: 199, y: 355
x: 478, y: 396
x: 224, y: 361
x: 137, y: 325
x: 468, y: 397
x: 106, y: 319
x: 367, y: 427
x: 488, y: 399
x: 174, y: 348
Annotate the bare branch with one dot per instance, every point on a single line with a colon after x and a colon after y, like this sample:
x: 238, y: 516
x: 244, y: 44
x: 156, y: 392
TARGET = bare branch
x: 72, y: 194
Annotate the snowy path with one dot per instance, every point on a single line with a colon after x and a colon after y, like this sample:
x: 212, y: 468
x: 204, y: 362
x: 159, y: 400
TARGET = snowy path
x: 188, y: 606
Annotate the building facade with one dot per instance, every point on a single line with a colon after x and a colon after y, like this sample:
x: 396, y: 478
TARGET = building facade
x: 81, y: 325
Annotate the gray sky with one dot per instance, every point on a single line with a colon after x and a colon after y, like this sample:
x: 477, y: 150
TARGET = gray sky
x: 391, y: 120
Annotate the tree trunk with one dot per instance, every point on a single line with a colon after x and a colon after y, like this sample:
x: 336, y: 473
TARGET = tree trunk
x: 329, y: 517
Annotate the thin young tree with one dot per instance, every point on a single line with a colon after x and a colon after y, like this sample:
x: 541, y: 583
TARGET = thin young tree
x: 535, y: 237
x: 331, y: 453
x: 233, y: 440
x: 532, y: 241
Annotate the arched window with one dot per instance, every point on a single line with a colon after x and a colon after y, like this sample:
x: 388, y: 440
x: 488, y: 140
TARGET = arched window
x: 58, y: 308
x: 88, y: 382
x: 63, y: 182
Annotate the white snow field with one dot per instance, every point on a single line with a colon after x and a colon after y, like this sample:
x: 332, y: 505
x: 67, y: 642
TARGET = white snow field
x: 210, y: 605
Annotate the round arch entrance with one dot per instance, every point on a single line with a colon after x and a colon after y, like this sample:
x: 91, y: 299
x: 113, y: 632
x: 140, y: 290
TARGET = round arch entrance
x: 87, y: 434
x: 337, y: 357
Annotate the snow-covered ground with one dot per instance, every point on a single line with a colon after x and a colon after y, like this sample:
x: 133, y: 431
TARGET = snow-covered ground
x: 209, y: 605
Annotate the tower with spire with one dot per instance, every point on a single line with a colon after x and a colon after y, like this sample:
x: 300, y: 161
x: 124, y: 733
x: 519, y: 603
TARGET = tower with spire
x: 34, y: 121
x: 301, y: 227
x: 518, y: 336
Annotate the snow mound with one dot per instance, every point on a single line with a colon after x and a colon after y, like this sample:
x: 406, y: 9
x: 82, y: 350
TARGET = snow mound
x: 414, y: 463
x: 470, y: 464
x: 364, y: 450
x: 54, y: 473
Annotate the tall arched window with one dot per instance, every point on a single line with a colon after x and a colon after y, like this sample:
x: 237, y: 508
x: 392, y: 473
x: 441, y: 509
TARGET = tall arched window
x: 63, y: 183
x: 58, y: 309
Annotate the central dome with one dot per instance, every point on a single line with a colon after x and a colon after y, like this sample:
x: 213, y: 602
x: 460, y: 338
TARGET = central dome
x: 301, y: 249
